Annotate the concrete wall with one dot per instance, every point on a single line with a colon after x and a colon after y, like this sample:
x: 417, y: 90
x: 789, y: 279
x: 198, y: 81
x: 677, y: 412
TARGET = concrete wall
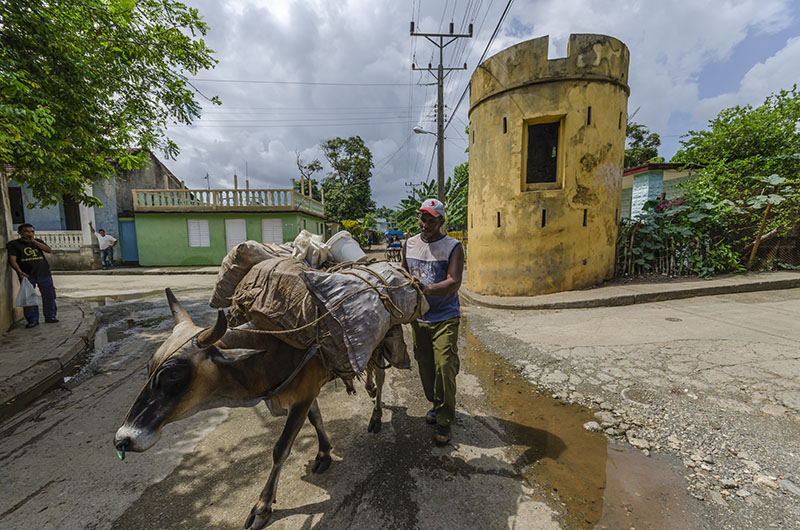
x: 85, y: 258
x: 163, y: 238
x: 647, y: 186
x: 520, y: 86
x: 47, y: 218
x: 154, y: 175
x: 8, y: 278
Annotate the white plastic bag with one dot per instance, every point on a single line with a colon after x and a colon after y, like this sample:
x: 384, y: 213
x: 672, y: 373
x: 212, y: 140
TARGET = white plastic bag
x: 26, y: 295
x: 310, y: 248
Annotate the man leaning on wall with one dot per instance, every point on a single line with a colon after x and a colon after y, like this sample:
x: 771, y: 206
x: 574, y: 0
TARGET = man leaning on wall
x: 26, y: 257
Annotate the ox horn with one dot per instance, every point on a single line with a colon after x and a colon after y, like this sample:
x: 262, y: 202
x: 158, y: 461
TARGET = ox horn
x: 178, y: 312
x: 209, y: 336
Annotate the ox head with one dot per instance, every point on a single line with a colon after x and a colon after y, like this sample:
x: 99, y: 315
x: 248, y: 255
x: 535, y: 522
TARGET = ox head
x: 183, y: 376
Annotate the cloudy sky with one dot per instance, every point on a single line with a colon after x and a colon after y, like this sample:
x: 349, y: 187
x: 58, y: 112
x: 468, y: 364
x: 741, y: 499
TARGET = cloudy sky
x: 292, y: 73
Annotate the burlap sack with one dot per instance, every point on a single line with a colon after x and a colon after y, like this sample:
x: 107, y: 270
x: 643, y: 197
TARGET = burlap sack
x: 273, y: 295
x: 364, y: 302
x: 238, y: 263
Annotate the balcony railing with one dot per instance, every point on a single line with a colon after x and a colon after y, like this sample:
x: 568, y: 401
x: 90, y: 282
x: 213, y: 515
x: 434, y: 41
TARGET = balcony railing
x: 61, y: 239
x: 261, y: 200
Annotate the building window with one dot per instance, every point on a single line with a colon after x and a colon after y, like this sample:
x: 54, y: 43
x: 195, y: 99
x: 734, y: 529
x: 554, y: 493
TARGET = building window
x: 198, y: 233
x: 272, y: 231
x: 542, y: 162
x: 17, y: 205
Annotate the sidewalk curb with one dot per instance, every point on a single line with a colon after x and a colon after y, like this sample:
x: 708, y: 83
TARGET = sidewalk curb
x: 495, y: 302
x: 129, y: 272
x: 35, y: 381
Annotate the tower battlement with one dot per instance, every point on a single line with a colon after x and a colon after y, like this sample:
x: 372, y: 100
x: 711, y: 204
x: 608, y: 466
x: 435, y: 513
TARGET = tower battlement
x: 589, y: 56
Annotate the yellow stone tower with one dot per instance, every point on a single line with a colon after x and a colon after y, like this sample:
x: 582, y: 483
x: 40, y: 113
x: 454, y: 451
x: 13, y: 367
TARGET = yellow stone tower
x: 547, y: 139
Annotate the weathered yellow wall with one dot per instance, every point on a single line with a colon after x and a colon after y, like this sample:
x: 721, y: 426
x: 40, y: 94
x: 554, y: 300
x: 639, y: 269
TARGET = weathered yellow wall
x: 520, y: 257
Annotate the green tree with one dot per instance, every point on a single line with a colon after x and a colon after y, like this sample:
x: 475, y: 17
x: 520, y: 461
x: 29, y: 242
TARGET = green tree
x: 750, y: 157
x: 386, y: 213
x: 369, y: 221
x: 83, y: 83
x: 347, y: 189
x: 456, y: 191
x: 642, y: 145
x: 307, y: 170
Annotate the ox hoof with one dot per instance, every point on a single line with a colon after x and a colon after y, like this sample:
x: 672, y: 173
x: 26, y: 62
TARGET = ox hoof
x: 321, y: 463
x: 258, y: 519
x: 372, y: 390
x: 374, y: 426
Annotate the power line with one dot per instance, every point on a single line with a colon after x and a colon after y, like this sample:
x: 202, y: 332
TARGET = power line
x: 266, y: 82
x: 274, y: 126
x: 488, y: 45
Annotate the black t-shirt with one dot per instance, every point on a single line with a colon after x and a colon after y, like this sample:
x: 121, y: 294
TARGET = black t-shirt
x: 30, y: 258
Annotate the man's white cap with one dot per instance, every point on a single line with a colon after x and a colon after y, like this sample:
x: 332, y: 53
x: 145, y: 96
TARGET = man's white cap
x: 433, y: 207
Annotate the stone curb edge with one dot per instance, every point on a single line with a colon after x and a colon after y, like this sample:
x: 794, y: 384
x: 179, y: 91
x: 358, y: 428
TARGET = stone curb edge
x: 37, y: 380
x: 128, y: 272
x: 631, y: 299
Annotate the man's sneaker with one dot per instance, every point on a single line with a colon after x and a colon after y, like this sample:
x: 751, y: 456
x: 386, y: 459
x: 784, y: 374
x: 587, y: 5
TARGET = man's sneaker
x: 51, y: 320
x: 442, y: 435
x: 31, y: 325
x: 430, y: 417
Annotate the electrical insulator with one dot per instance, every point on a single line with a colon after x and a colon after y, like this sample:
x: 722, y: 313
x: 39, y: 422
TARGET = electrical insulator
x: 412, y: 26
x: 470, y: 30
x: 451, y: 28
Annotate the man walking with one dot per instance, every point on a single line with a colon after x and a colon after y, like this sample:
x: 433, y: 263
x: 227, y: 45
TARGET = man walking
x: 107, y: 244
x: 26, y: 257
x: 437, y: 261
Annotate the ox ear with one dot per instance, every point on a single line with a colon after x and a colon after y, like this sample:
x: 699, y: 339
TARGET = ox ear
x: 178, y: 312
x: 209, y: 336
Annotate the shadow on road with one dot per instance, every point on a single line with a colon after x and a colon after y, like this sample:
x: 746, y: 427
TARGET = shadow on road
x: 395, y: 479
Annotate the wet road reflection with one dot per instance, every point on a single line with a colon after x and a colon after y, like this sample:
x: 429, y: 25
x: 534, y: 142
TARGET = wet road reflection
x: 587, y: 480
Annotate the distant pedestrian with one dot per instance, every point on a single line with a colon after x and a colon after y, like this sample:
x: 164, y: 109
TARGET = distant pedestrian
x: 26, y: 257
x: 437, y: 261
x: 107, y: 243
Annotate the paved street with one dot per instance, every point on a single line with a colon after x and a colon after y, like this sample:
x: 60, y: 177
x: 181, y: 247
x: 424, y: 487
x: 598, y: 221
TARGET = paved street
x: 713, y: 380
x: 707, y: 384
x: 60, y: 469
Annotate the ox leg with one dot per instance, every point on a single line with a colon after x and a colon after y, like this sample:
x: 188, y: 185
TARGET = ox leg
x: 377, y: 412
x: 323, y: 459
x: 261, y: 512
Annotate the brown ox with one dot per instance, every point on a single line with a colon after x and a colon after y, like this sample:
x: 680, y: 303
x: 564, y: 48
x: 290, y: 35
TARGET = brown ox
x: 197, y: 369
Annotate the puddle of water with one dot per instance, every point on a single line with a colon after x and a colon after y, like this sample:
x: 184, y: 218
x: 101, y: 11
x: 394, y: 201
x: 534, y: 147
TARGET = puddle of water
x: 589, y: 481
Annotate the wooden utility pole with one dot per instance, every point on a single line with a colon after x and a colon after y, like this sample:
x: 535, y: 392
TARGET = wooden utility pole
x: 440, y: 72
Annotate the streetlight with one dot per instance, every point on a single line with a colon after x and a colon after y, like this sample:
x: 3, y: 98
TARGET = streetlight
x: 440, y: 157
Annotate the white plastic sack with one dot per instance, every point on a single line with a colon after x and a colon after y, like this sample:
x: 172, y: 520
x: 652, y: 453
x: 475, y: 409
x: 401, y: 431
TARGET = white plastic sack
x: 311, y: 248
x: 26, y: 295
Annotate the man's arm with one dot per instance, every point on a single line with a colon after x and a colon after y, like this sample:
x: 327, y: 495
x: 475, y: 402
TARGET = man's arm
x: 451, y: 284
x: 12, y: 260
x: 44, y: 247
x: 114, y: 243
x: 91, y: 227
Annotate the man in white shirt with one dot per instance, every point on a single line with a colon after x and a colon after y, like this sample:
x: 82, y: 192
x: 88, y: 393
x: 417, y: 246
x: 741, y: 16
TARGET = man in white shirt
x: 107, y: 244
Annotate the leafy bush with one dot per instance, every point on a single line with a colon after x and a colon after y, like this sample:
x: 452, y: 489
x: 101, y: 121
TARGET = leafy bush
x: 682, y: 237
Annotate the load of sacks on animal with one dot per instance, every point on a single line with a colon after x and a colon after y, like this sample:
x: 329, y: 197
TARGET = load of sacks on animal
x: 346, y: 309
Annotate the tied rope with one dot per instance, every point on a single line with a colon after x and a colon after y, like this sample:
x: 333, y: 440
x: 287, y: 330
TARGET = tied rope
x: 387, y: 301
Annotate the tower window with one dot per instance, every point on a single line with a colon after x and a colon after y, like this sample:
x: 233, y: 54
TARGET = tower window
x: 542, y: 159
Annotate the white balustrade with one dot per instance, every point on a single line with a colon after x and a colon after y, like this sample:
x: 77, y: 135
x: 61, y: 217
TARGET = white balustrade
x: 61, y: 239
x: 224, y: 200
